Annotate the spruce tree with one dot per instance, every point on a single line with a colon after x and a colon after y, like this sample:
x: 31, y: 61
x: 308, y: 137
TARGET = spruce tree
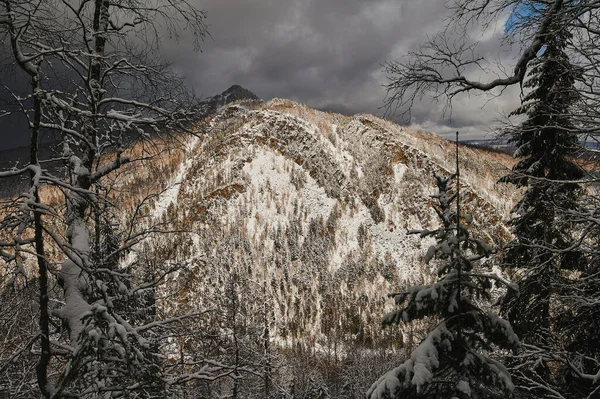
x: 546, y: 144
x: 453, y: 361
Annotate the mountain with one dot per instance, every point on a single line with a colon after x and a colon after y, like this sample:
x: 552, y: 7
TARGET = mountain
x: 310, y: 211
x: 232, y: 94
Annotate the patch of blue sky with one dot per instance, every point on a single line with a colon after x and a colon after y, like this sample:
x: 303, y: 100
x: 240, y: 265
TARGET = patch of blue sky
x: 521, y: 13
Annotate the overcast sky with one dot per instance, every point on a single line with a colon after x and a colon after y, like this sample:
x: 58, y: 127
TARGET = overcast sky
x: 327, y: 54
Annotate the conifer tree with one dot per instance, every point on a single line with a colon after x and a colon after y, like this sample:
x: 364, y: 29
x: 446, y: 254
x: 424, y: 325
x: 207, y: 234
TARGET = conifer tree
x: 546, y: 143
x: 454, y: 359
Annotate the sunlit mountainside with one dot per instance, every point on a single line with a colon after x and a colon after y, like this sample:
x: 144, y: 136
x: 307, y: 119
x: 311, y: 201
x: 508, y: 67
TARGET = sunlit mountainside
x: 314, y: 207
x: 160, y: 242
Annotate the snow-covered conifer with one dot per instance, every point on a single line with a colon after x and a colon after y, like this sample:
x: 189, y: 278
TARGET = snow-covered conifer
x: 455, y: 358
x: 546, y: 144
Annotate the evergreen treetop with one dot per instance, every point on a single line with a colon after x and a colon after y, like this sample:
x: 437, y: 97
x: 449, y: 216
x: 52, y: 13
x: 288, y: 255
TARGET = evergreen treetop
x: 453, y: 360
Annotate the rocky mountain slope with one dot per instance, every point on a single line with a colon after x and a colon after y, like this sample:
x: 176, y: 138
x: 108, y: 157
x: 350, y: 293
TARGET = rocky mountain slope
x: 232, y: 94
x: 306, y: 213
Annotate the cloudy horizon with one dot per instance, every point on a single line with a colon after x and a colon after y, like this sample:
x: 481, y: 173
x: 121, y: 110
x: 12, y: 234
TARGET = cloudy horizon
x: 330, y: 55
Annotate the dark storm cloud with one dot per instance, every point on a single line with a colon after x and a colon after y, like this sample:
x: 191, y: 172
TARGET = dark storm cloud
x: 327, y: 54
x: 13, y: 124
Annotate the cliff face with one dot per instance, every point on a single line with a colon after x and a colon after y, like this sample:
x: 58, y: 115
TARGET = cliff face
x: 307, y: 212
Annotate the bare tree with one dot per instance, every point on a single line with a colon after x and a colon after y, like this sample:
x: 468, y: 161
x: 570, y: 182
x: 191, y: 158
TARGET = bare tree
x: 445, y: 66
x: 95, y: 81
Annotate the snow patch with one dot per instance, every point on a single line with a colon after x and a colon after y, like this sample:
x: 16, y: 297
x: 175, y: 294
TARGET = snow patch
x: 75, y: 306
x: 267, y: 176
x: 169, y: 195
x: 399, y: 170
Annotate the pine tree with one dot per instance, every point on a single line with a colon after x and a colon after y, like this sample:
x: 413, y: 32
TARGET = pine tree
x: 546, y: 144
x: 454, y: 359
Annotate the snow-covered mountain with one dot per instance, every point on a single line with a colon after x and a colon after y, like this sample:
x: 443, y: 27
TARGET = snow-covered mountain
x: 271, y: 239
x: 308, y: 212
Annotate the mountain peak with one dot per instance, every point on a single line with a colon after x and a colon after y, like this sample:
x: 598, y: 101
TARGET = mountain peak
x: 234, y: 93
x: 241, y: 92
